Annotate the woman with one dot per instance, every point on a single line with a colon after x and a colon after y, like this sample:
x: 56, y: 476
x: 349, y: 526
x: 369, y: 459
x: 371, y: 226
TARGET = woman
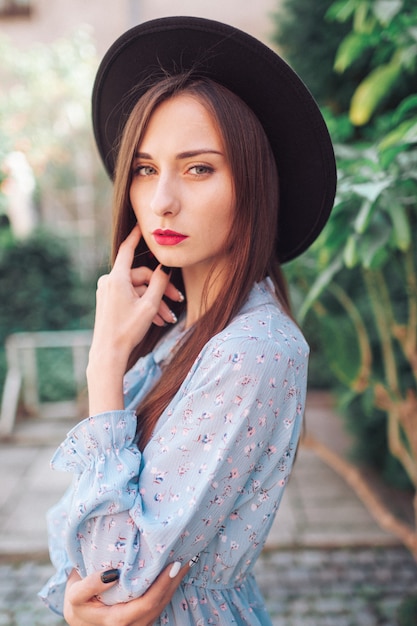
x: 185, y: 458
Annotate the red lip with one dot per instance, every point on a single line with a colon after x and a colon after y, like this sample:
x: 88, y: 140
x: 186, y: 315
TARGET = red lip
x: 168, y: 237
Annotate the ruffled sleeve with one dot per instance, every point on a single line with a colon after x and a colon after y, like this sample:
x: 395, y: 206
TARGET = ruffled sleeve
x: 101, y: 453
x: 96, y: 441
x: 105, y: 462
x: 100, y: 450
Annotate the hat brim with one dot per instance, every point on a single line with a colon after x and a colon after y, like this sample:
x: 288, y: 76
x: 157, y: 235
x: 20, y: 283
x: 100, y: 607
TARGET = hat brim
x: 260, y: 77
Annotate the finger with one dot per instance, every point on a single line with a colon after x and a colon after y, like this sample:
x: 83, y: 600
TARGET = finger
x: 101, y: 282
x: 142, y: 275
x: 126, y: 252
x: 164, y: 315
x: 84, y: 590
x: 158, y: 321
x: 156, y: 289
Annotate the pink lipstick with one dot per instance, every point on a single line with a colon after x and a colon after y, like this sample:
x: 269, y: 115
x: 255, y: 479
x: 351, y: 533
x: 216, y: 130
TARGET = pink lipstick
x: 168, y: 237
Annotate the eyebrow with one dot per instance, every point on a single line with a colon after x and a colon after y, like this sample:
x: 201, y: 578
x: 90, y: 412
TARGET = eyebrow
x: 188, y: 154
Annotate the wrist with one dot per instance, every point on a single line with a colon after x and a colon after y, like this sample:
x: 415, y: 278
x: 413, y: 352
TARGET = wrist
x: 102, y: 358
x: 105, y: 382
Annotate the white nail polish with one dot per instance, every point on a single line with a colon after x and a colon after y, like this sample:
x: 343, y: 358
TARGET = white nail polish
x: 181, y: 297
x: 175, y: 569
x: 174, y: 317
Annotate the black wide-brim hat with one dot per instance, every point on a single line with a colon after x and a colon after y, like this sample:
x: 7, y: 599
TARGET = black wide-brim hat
x: 286, y: 109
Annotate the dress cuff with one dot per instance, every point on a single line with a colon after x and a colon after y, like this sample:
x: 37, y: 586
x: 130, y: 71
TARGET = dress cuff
x: 94, y: 439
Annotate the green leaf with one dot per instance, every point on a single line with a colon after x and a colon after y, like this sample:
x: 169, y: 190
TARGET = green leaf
x: 385, y: 10
x: 350, y: 252
x: 362, y: 22
x: 373, y: 249
x: 322, y: 281
x: 406, y: 132
x: 388, y: 155
x: 364, y: 217
x: 351, y: 49
x: 401, y: 226
x: 372, y: 90
x: 408, y: 57
x: 412, y: 32
x: 411, y: 134
x: 342, y: 10
x: 370, y: 191
x: 405, y: 106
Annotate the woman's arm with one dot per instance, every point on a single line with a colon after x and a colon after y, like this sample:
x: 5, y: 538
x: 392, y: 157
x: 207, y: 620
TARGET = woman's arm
x: 127, y: 303
x: 81, y: 607
x: 230, y: 417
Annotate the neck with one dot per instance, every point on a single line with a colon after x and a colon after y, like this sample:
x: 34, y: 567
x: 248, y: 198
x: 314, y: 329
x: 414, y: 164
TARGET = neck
x: 202, y: 289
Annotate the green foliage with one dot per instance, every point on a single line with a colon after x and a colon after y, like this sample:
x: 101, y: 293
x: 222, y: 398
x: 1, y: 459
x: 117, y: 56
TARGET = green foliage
x: 56, y: 377
x: 407, y: 612
x: 366, y: 283
x: 47, y: 108
x: 309, y: 41
x: 40, y: 290
x: 359, y: 280
x: 386, y: 31
x: 39, y: 287
x: 47, y: 117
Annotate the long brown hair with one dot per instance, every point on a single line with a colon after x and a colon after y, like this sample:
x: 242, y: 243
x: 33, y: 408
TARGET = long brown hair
x: 252, y: 242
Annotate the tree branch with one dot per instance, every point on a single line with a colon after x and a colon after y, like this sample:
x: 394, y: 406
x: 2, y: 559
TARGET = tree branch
x: 384, y: 518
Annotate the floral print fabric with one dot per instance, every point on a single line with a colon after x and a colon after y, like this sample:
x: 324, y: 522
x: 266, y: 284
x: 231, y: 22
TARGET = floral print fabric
x: 208, y: 483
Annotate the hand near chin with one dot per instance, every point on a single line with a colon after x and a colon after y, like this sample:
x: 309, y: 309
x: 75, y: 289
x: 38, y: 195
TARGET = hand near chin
x: 81, y: 607
x: 129, y: 300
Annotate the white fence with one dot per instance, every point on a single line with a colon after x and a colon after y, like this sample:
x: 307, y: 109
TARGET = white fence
x: 21, y: 386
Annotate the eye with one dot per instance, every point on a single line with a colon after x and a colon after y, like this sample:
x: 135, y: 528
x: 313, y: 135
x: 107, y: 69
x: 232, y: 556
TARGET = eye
x: 143, y: 170
x: 200, y: 170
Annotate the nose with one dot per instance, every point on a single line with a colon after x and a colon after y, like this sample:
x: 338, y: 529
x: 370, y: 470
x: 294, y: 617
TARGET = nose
x: 165, y: 200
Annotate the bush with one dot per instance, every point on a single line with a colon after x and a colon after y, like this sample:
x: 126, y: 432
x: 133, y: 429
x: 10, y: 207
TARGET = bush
x: 407, y: 613
x: 40, y: 290
x: 359, y: 280
x: 309, y: 42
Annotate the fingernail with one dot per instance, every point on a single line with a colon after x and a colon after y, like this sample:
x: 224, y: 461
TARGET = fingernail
x: 181, y: 296
x: 110, y: 576
x: 174, y: 317
x: 166, y: 269
x: 175, y: 569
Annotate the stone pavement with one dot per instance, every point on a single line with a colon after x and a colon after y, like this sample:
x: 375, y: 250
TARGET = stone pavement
x: 326, y: 561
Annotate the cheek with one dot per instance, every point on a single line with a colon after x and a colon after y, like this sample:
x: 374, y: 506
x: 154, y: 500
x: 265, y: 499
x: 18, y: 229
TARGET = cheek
x: 136, y: 205
x: 230, y: 212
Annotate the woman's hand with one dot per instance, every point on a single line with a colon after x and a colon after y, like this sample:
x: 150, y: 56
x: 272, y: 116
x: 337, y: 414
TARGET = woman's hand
x: 81, y: 607
x: 128, y: 300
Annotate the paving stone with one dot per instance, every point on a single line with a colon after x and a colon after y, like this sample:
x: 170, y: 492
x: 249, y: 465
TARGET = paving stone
x: 326, y: 561
x: 313, y: 603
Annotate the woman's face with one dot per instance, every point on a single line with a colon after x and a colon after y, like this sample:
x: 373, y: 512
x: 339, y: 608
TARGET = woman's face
x: 182, y: 190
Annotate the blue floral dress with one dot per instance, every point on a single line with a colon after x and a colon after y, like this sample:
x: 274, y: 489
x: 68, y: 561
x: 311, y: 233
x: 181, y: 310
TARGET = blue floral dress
x: 208, y: 483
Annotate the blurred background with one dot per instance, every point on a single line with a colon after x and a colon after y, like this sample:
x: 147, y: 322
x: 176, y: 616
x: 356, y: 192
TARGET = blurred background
x: 354, y: 291
x: 55, y: 199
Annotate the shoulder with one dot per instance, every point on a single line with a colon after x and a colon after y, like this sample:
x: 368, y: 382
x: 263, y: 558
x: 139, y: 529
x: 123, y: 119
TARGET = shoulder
x: 261, y: 333
x: 262, y: 320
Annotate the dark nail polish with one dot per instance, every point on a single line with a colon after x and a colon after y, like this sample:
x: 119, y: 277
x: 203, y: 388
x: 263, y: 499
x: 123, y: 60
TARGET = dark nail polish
x: 110, y: 576
x: 166, y: 269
